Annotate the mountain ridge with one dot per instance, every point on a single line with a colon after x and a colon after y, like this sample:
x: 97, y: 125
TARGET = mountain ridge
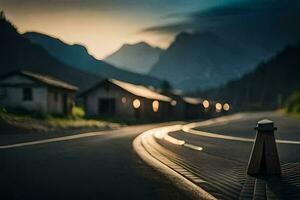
x: 19, y: 53
x: 77, y: 56
x: 200, y: 60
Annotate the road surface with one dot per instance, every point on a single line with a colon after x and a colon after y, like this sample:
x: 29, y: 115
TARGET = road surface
x: 214, y: 154
x: 99, y: 165
x: 206, y: 159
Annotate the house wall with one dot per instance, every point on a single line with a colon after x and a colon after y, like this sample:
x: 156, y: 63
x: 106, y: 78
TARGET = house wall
x: 194, y: 111
x: 12, y: 94
x: 122, y: 110
x: 56, y: 104
x: 55, y: 101
x: 162, y: 113
x: 12, y: 97
x: 177, y: 112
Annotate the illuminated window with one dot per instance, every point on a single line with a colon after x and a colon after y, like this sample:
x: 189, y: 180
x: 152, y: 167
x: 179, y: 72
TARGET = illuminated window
x: 218, y: 107
x: 205, y: 104
x: 173, y: 103
x: 136, y: 103
x: 155, y: 106
x: 226, y: 107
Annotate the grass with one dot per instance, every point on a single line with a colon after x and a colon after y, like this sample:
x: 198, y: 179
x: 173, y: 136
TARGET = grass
x: 291, y: 114
x: 77, y: 123
x: 46, y: 122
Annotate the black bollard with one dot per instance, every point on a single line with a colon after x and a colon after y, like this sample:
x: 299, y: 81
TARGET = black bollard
x: 264, y: 159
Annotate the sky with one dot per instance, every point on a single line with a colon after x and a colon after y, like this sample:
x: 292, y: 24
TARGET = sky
x: 103, y: 26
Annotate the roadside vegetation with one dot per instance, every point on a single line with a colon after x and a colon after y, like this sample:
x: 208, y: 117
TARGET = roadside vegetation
x: 293, y: 103
x: 43, y: 122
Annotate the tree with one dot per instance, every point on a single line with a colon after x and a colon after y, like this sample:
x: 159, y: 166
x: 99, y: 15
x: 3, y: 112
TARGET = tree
x: 293, y: 103
x: 2, y: 15
x: 166, y: 86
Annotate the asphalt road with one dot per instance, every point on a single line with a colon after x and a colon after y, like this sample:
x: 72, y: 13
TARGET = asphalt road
x: 221, y: 163
x: 101, y: 166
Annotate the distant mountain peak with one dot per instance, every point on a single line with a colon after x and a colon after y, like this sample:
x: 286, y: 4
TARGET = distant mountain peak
x: 138, y: 57
x: 141, y: 44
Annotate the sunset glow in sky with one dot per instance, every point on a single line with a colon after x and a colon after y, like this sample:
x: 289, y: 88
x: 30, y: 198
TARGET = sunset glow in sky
x: 102, y: 25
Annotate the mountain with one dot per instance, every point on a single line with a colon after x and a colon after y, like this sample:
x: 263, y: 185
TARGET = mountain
x: 267, y: 87
x: 139, y: 57
x: 77, y: 56
x: 203, y: 60
x: 18, y: 52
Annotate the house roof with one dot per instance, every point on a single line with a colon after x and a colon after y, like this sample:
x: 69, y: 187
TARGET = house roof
x: 45, y: 79
x: 192, y: 100
x: 138, y: 90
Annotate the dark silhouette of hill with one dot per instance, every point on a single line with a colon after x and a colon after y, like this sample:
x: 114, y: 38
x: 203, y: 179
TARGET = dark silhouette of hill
x: 77, y: 56
x: 139, y: 57
x: 267, y: 87
x: 202, y: 60
x: 18, y: 52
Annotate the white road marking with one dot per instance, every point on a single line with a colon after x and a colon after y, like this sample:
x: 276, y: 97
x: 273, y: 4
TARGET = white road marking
x: 164, y: 134
x: 194, y: 147
x: 64, y: 138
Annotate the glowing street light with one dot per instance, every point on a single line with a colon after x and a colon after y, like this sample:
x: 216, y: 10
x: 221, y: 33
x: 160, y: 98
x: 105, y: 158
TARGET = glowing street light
x: 155, y: 106
x: 136, y: 103
x: 226, y: 107
x: 218, y: 107
x: 205, y: 104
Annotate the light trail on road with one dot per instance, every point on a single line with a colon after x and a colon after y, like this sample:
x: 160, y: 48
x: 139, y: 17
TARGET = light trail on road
x: 152, y: 153
x: 190, y: 128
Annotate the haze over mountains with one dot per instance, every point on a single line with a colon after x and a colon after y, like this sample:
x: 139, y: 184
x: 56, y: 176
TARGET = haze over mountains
x: 77, y: 56
x: 139, y: 57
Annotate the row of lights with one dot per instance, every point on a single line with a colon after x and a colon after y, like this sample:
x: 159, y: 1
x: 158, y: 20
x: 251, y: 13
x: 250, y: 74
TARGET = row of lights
x: 218, y: 106
x: 155, y: 104
x: 137, y: 104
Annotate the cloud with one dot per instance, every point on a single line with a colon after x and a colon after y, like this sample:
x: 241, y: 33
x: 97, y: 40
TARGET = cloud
x: 260, y: 13
x: 263, y: 26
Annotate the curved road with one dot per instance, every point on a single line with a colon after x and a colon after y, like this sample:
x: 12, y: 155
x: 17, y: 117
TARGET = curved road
x: 213, y: 155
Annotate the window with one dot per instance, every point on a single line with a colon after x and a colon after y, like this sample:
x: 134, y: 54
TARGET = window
x: 106, y: 106
x: 27, y: 94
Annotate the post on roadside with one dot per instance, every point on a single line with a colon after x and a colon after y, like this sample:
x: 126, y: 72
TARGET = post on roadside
x: 264, y: 159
